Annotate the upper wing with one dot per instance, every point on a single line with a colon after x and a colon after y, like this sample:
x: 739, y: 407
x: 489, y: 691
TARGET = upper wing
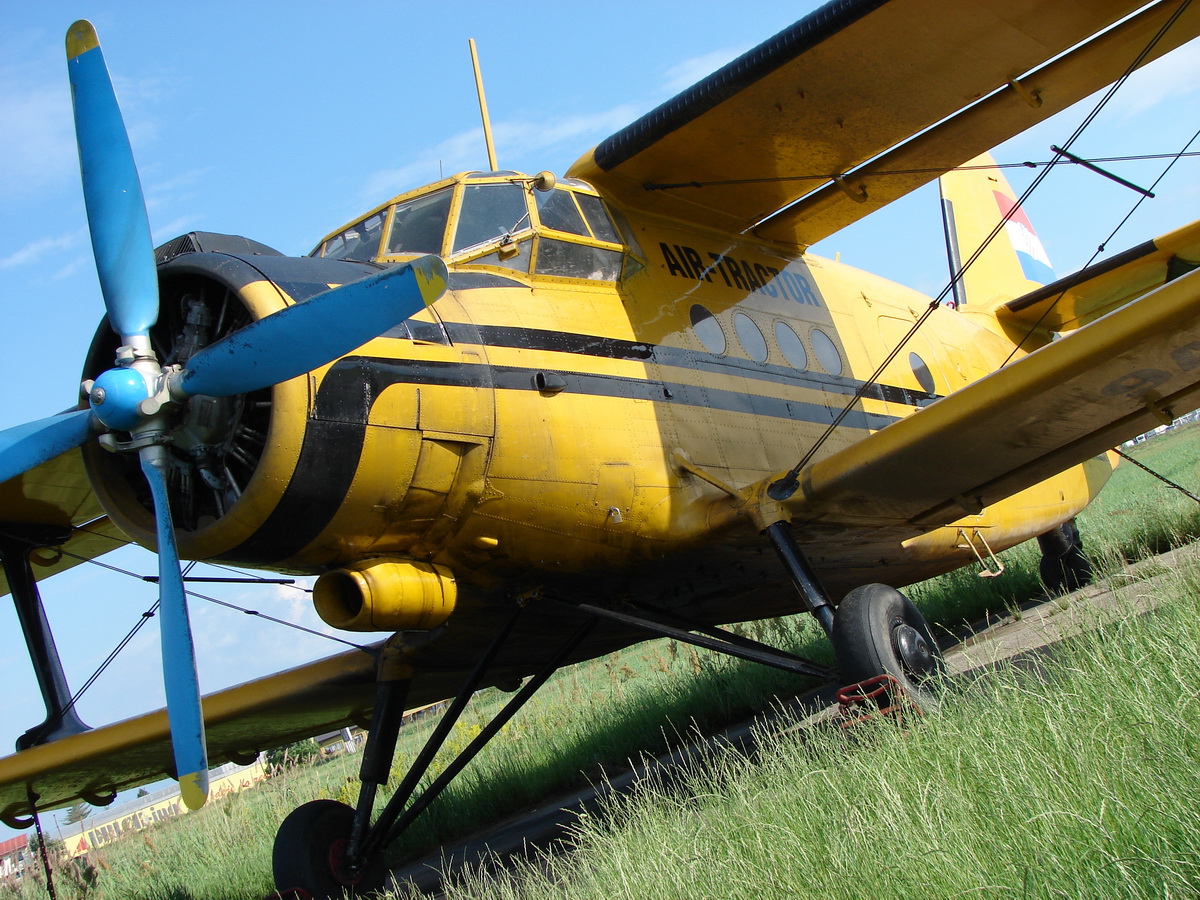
x: 1068, y: 401
x: 863, y: 101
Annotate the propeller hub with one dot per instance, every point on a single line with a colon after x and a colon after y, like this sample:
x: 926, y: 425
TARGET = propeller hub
x: 116, y: 395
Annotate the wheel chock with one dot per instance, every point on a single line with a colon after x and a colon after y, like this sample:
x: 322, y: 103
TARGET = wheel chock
x: 882, y: 695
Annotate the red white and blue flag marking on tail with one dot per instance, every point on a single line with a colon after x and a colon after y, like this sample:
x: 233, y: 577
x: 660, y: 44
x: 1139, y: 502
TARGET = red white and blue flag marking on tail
x: 1035, y: 264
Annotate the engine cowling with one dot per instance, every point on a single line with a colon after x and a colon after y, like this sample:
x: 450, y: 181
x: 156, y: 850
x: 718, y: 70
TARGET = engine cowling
x: 230, y: 457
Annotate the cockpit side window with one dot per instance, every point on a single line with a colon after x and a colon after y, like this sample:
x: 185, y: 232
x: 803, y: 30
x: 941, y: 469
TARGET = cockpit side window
x: 601, y: 225
x: 570, y: 260
x: 557, y: 210
x: 419, y: 224
x: 359, y: 242
x: 488, y: 212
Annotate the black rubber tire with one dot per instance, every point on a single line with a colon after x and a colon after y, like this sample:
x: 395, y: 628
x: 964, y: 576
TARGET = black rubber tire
x: 869, y: 627
x: 1063, y: 567
x: 305, y: 854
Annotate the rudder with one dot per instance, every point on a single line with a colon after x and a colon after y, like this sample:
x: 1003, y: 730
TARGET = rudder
x: 975, y: 199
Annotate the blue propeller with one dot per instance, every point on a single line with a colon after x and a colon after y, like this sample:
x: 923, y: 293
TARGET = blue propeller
x: 25, y: 446
x: 138, y: 396
x: 112, y: 191
x: 313, y: 333
x: 180, y: 680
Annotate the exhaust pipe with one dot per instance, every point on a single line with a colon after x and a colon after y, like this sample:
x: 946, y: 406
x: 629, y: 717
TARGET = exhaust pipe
x: 386, y: 595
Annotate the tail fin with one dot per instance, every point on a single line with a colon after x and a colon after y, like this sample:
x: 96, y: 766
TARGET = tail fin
x: 974, y: 201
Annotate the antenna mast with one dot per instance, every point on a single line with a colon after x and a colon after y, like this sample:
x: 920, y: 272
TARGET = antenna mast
x: 487, y: 125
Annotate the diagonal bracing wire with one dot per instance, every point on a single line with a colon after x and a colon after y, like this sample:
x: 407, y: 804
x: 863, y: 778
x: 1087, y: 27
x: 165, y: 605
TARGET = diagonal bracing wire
x: 787, y: 485
x: 936, y: 170
x: 1101, y: 248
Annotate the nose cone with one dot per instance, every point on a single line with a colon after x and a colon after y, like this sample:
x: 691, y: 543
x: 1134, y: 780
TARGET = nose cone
x: 115, y: 397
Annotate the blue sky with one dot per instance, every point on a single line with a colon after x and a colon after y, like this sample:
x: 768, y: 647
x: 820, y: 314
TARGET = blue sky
x: 282, y: 122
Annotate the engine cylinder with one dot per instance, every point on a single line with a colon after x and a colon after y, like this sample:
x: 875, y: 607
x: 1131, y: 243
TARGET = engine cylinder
x: 386, y: 595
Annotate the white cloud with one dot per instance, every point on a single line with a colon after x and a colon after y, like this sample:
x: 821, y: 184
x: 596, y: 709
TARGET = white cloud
x: 71, y: 268
x: 33, y: 252
x: 535, y: 136
x: 37, y: 142
x: 1172, y: 77
x: 685, y: 74
x: 174, y: 228
x: 516, y: 139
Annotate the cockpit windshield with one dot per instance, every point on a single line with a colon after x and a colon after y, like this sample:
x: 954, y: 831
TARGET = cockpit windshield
x: 495, y: 220
x: 490, y: 211
x: 419, y: 224
x: 359, y: 242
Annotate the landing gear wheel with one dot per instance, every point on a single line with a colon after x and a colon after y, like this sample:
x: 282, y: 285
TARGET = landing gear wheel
x: 310, y: 849
x: 877, y: 631
x: 1063, y: 566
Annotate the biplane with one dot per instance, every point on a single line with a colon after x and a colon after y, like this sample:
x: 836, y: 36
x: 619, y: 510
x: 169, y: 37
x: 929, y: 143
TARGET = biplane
x: 514, y: 422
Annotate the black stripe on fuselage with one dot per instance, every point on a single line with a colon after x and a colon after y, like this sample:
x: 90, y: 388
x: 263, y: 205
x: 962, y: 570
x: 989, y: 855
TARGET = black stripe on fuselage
x: 332, y: 447
x: 678, y: 357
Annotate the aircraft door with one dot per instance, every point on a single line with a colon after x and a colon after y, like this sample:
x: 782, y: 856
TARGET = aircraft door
x: 920, y: 372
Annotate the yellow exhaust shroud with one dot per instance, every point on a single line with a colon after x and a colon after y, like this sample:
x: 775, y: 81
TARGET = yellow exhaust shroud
x: 386, y: 595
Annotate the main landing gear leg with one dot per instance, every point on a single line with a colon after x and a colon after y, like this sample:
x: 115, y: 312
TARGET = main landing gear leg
x: 875, y: 631
x: 325, y: 848
x: 61, y: 718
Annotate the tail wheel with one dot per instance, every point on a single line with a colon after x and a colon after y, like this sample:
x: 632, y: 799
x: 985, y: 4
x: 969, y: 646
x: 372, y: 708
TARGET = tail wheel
x: 1063, y: 567
x: 310, y: 854
x: 877, y: 631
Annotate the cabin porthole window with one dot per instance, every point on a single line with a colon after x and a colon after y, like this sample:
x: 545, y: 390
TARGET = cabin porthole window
x: 922, y: 373
x: 826, y: 352
x: 707, y: 329
x: 750, y: 337
x: 791, y: 346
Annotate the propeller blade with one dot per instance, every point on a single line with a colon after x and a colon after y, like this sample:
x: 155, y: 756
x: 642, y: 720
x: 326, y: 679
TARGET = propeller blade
x: 24, y: 446
x: 111, y: 191
x: 178, y: 652
x: 306, y: 336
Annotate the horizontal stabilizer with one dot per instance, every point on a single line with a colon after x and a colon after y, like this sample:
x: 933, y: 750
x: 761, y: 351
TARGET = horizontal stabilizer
x: 1085, y: 296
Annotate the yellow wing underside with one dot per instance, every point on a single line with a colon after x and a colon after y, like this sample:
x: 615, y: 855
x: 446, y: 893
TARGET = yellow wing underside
x: 52, y: 500
x: 863, y: 102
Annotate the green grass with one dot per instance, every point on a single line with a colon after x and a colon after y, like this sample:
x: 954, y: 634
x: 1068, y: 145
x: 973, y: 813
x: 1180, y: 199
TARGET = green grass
x: 1082, y: 785
x: 591, y: 718
x: 1136, y: 515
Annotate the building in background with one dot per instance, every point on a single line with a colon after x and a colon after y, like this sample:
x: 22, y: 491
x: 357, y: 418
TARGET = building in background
x: 110, y: 824
x: 14, y: 857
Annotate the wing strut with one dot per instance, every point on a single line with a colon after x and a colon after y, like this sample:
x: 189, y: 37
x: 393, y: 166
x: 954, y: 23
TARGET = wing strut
x: 61, y: 718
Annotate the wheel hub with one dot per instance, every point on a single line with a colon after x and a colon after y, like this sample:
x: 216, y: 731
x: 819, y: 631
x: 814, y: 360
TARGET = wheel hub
x: 340, y: 864
x: 913, y: 649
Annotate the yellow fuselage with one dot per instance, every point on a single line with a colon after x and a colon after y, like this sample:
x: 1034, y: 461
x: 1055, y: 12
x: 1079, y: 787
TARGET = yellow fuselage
x: 538, y: 432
